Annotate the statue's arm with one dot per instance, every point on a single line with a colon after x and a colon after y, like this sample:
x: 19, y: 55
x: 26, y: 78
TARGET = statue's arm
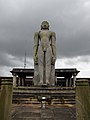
x: 35, y: 48
x: 53, y: 47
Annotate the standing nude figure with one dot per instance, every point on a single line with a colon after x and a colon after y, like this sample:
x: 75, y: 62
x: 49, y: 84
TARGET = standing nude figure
x: 44, y: 56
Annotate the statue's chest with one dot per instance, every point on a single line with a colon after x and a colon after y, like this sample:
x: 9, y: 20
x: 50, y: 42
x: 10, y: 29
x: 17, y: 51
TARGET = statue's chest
x: 45, y: 40
x: 45, y: 34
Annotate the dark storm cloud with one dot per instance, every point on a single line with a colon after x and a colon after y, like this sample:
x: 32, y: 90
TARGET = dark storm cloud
x: 19, y: 20
x: 4, y: 60
x: 76, y: 45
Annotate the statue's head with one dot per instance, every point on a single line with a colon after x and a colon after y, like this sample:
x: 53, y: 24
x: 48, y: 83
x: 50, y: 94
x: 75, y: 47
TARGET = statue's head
x: 45, y: 25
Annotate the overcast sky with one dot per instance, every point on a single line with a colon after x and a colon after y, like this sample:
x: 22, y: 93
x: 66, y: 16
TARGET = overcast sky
x: 20, y: 19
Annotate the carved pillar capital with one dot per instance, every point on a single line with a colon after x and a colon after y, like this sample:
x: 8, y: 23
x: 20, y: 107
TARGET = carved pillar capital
x: 14, y: 74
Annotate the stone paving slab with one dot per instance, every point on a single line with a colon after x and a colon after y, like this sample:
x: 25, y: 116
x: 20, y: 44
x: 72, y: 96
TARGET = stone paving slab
x: 34, y: 112
x: 46, y: 113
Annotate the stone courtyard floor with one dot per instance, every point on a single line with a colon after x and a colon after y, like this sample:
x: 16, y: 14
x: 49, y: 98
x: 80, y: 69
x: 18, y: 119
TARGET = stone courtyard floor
x: 34, y: 112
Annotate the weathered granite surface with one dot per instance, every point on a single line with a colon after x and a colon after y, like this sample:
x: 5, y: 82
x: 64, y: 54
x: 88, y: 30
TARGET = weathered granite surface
x: 44, y: 56
x: 57, y: 94
x: 82, y: 100
x: 6, y: 99
x: 34, y: 112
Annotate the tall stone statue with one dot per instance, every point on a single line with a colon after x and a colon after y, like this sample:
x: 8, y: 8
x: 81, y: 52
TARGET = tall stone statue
x: 44, y: 56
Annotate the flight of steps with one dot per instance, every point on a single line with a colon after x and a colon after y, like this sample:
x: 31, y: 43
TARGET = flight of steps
x: 55, y: 95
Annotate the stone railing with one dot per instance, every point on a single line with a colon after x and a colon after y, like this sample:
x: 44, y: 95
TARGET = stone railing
x: 82, y: 100
x: 6, y: 99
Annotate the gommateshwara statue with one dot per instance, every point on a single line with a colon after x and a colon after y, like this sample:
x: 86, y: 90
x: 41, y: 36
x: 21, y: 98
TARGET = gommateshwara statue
x: 44, y: 56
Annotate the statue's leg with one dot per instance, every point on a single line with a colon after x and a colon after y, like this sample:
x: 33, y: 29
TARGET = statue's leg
x: 40, y: 66
x: 48, y: 66
x: 36, y: 75
x: 52, y: 78
x: 48, y: 71
x: 40, y: 74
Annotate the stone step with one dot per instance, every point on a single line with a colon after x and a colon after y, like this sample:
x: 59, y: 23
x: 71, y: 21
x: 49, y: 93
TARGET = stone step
x: 35, y: 91
x: 44, y: 88
x: 30, y: 95
x: 56, y: 101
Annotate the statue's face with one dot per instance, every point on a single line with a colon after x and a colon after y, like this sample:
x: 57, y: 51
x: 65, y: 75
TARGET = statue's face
x: 45, y: 25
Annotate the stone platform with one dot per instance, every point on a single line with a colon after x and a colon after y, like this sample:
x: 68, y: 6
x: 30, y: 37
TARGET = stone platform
x: 34, y: 112
x: 56, y: 94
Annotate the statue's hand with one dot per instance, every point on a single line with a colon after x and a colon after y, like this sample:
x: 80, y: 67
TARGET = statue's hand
x: 35, y: 60
x: 53, y: 60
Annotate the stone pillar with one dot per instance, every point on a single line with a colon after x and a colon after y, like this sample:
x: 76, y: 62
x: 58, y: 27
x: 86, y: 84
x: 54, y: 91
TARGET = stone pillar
x: 19, y: 79
x: 70, y: 82
x: 0, y: 86
x: 56, y: 80
x: 74, y: 79
x: 66, y: 82
x: 14, y: 80
x: 22, y: 81
x: 0, y: 92
x: 82, y: 100
x: 6, y: 99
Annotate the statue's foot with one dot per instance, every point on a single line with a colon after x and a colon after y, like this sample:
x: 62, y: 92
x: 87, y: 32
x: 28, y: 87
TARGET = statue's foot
x: 53, y: 85
x: 47, y: 82
x: 40, y: 83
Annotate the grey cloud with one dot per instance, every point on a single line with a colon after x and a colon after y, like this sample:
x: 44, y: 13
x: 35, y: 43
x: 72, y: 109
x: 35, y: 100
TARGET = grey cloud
x: 4, y: 60
x: 76, y: 60
x: 85, y: 59
x: 21, y: 19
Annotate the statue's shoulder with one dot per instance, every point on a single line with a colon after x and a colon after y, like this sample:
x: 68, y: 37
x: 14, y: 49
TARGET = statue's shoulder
x: 36, y: 33
x: 53, y: 34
